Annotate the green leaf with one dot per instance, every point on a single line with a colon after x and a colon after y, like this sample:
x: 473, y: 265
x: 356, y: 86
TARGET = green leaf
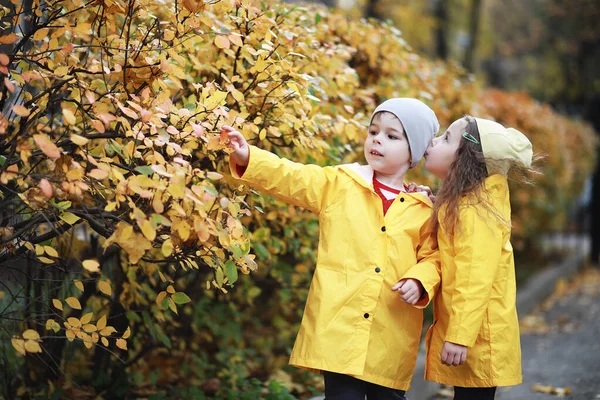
x: 2, y: 161
x: 231, y: 271
x: 164, y: 304
x: 144, y: 169
x: 160, y: 335
x: 63, y: 205
x: 180, y: 298
x: 261, y: 251
x: 219, y: 276
x: 318, y: 18
x: 236, y: 251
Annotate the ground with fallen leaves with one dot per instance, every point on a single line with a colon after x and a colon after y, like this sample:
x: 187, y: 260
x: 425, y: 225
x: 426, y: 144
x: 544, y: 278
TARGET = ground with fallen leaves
x: 560, y: 342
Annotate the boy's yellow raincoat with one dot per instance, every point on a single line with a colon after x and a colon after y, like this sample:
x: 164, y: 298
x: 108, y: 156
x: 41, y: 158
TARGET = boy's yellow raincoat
x: 353, y: 322
x: 475, y: 305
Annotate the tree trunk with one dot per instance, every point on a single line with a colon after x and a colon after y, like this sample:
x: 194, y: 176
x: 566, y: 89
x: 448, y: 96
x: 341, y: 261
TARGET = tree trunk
x: 441, y: 31
x: 371, y: 10
x: 473, y: 34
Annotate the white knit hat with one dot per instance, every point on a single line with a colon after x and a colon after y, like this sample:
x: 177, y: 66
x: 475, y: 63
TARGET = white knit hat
x: 419, y: 122
x: 503, y: 147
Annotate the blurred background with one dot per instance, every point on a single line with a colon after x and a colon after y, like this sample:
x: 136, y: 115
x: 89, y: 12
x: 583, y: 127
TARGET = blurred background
x: 549, y: 49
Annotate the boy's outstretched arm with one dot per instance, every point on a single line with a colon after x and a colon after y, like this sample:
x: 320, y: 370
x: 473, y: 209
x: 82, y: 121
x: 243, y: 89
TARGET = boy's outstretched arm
x: 303, y: 185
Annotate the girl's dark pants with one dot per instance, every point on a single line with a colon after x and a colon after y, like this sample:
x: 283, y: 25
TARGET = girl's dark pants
x: 462, y: 393
x: 344, y: 387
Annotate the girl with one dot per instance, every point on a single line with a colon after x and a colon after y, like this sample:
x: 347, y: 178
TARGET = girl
x: 474, y: 341
x: 374, y: 242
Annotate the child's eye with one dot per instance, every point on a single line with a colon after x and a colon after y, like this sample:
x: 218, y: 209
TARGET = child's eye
x: 372, y: 132
x: 392, y: 137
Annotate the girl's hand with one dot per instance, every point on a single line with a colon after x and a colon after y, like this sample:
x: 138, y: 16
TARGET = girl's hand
x: 413, y: 187
x: 237, y: 142
x: 453, y: 354
x: 410, y: 290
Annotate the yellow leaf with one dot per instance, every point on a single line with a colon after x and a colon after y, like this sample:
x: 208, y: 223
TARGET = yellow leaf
x: 215, y: 99
x: 172, y: 306
x: 236, y: 39
x: 89, y: 328
x: 69, y: 116
x: 39, y: 250
x: 83, y: 27
x: 69, y: 218
x: 88, y: 343
x: 50, y: 251
x: 87, y: 318
x: 237, y: 95
x: 122, y: 344
x: 40, y: 34
x: 127, y: 333
x: 46, y: 260
x: 52, y: 325
x: 19, y: 345
x: 79, y: 140
x: 262, y: 134
x: 61, y: 71
x: 104, y: 287
x: 222, y: 42
x: 101, y: 323
x: 21, y: 111
x: 167, y: 248
x: 70, y: 334
x: 73, y: 303
x: 78, y: 285
x: 160, y: 297
x: 31, y: 334
x: 170, y: 289
x: 184, y: 230
x: 148, y: 230
x: 98, y: 174
x: 74, y: 322
x: 32, y: 346
x: 126, y: 233
x: 91, y: 265
x: 107, y: 331
x: 104, y: 341
x: 57, y: 303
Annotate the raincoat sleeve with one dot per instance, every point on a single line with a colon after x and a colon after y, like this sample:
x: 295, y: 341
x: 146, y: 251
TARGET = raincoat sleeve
x: 303, y: 185
x: 427, y: 270
x: 478, y: 247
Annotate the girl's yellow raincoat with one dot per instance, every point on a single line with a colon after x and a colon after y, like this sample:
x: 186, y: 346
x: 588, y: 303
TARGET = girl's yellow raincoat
x: 353, y: 322
x: 475, y: 305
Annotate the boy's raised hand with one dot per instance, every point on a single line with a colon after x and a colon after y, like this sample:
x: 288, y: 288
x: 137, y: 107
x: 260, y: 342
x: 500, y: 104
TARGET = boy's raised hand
x: 453, y: 354
x: 410, y: 290
x: 237, y: 142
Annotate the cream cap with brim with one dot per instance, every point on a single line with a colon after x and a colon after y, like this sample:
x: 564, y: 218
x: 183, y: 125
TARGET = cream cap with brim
x: 503, y: 147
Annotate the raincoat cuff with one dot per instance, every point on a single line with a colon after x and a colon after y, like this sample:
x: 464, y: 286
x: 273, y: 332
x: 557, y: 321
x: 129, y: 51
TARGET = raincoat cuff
x: 459, y: 339
x: 238, y: 171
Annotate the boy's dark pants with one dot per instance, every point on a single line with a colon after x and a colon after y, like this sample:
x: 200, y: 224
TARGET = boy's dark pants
x: 461, y: 393
x: 344, y: 387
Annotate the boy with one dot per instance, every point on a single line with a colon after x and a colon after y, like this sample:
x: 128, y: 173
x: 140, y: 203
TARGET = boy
x: 374, y: 240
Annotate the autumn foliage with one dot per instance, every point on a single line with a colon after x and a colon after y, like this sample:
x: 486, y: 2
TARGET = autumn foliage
x: 117, y: 207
